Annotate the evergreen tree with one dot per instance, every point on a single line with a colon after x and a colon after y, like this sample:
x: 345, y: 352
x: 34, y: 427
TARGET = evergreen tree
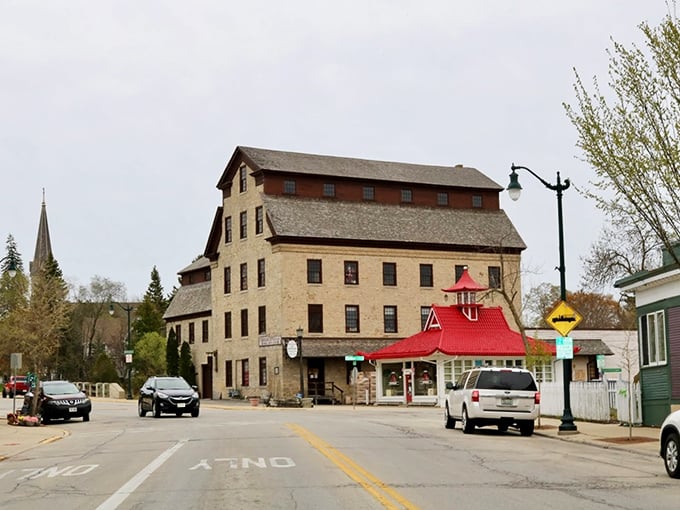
x: 13, y: 258
x: 172, y: 354
x: 104, y: 370
x: 150, y: 311
x: 186, y: 365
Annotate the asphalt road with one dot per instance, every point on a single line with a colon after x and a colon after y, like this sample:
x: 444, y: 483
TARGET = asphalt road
x: 320, y: 458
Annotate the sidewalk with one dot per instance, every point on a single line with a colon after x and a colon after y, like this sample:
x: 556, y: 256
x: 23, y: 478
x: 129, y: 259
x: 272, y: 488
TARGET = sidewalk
x: 643, y: 440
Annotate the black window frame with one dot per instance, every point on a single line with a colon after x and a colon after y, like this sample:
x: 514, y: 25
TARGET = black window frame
x: 242, y: 179
x: 351, y: 272
x: 228, y: 230
x: 228, y: 331
x: 227, y: 280
x: 243, y: 276
x: 495, y: 281
x: 368, y: 193
x: 406, y: 195
x: 261, y: 320
x: 328, y: 190
x: 352, y: 322
x: 315, y: 318
x: 389, y: 274
x: 259, y: 220
x: 205, y: 331
x: 261, y: 276
x: 442, y: 198
x: 426, y: 275
x: 244, y: 322
x: 390, y: 322
x: 243, y: 225
x: 262, y: 370
x: 312, y: 271
x: 289, y: 187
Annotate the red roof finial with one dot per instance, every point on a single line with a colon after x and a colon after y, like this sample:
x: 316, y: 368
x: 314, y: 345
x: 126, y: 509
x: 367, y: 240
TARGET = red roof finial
x: 465, y: 284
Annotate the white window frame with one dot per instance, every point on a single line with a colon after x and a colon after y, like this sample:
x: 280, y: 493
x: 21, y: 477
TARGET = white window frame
x: 653, y: 334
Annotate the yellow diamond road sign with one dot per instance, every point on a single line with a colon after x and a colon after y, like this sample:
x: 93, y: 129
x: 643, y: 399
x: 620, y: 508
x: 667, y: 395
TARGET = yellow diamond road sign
x: 563, y: 318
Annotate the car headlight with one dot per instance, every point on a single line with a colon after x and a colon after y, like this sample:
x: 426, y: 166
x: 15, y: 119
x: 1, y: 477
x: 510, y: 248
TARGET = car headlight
x: 194, y: 395
x: 162, y: 395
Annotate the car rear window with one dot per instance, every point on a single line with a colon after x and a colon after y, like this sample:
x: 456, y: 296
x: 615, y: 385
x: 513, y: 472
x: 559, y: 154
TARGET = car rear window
x: 500, y: 380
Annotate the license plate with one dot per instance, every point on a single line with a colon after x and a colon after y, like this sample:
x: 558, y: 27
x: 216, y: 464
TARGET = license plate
x: 180, y: 404
x: 506, y: 401
x: 72, y: 409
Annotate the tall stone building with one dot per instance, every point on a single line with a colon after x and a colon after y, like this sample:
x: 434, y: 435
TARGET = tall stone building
x: 337, y: 255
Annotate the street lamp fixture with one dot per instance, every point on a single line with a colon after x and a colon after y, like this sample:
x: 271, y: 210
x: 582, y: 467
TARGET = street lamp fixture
x: 514, y: 191
x: 128, y: 345
x: 302, y: 378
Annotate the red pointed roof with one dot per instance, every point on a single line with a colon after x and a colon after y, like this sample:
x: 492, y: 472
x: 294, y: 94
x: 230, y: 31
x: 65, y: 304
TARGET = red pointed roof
x: 465, y: 284
x: 490, y: 335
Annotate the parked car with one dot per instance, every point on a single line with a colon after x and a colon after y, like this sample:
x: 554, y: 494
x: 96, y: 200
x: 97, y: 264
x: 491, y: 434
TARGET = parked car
x: 669, y: 444
x: 15, y: 385
x: 170, y: 395
x: 63, y: 400
x: 503, y: 397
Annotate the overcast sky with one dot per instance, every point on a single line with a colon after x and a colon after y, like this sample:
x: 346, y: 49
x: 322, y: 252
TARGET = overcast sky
x: 127, y: 112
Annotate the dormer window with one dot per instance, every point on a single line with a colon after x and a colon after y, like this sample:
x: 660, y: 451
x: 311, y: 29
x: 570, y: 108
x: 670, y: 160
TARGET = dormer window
x: 289, y: 187
x: 406, y: 196
x: 242, y: 183
x: 329, y: 189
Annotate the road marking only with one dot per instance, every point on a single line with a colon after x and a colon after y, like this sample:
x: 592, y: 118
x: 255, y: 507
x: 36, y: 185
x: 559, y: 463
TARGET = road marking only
x: 384, y: 494
x: 131, y: 485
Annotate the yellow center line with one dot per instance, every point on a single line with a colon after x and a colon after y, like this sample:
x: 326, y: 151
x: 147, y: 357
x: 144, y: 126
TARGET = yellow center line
x: 374, y: 486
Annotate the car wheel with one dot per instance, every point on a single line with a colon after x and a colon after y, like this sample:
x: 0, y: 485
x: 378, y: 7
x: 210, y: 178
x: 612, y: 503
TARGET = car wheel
x: 194, y: 412
x: 502, y: 427
x: 86, y: 417
x: 140, y: 409
x: 671, y: 455
x: 11, y: 395
x: 4, y: 393
x: 467, y: 423
x: 526, y: 428
x: 178, y: 414
x: 155, y: 409
x: 45, y: 420
x: 449, y: 422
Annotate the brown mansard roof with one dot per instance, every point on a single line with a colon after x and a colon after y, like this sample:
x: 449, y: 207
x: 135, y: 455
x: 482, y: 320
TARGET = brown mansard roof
x: 355, y: 168
x: 317, y: 220
x: 190, y: 300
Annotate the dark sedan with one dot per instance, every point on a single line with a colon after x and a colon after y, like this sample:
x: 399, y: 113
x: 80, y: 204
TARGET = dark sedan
x: 170, y: 395
x: 63, y: 400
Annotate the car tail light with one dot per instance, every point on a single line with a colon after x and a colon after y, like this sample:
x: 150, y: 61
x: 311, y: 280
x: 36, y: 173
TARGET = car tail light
x: 537, y: 397
x: 475, y: 396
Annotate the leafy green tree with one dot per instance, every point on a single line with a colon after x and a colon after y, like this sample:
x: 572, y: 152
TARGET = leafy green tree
x: 632, y: 141
x: 186, y: 365
x: 149, y: 358
x: 104, y: 370
x: 172, y: 353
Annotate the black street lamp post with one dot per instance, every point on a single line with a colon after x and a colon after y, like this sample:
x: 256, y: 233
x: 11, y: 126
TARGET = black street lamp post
x: 302, y: 378
x: 514, y: 190
x: 128, y: 352
x: 11, y: 266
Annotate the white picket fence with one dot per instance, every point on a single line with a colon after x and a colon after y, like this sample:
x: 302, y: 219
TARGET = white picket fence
x: 594, y: 401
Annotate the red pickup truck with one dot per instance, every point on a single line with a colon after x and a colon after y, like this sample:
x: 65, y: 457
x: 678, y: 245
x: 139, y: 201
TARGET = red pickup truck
x: 15, y: 385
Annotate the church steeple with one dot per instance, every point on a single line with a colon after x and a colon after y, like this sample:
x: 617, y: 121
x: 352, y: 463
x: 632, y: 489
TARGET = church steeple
x: 43, y: 244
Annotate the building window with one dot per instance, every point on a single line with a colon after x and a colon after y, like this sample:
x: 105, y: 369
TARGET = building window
x: 426, y: 279
x: 245, y: 373
x: 369, y: 193
x: 390, y: 318
x: 192, y: 333
x: 351, y: 318
x: 328, y: 189
x: 459, y: 271
x: 243, y: 222
x: 242, y: 183
x: 351, y: 272
x: 227, y: 325
x: 477, y: 201
x: 206, y: 275
x: 289, y: 187
x: 178, y: 333
x: 227, y: 280
x: 494, y: 277
x: 261, y: 320
x: 205, y: 331
x: 259, y: 220
x: 244, y: 322
x: 653, y: 339
x: 442, y: 198
x: 260, y: 273
x: 406, y: 196
x: 315, y: 318
x: 389, y: 273
x: 227, y: 230
x: 424, y: 315
x: 313, y: 271
x: 263, y: 371
x: 228, y: 374
x: 244, y: 276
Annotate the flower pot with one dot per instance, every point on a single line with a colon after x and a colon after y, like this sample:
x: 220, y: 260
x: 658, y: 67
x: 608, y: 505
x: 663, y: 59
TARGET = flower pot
x: 254, y: 401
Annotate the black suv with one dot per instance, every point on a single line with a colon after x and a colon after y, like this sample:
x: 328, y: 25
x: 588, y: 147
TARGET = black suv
x: 63, y: 400
x: 171, y: 395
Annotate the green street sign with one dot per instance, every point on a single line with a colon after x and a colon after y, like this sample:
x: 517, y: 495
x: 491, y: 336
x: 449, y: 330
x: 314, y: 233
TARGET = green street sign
x: 354, y: 358
x: 611, y: 370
